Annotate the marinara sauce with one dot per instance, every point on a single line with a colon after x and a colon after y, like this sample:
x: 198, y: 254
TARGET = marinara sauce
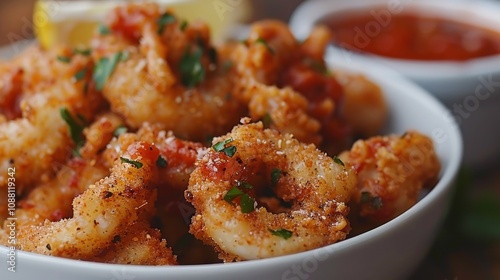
x: 412, y: 36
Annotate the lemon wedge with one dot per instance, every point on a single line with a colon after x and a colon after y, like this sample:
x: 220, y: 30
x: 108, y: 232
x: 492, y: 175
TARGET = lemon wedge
x: 73, y: 22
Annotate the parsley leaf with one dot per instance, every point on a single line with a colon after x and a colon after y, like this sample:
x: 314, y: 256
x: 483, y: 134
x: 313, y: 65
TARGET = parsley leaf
x: 283, y: 233
x: 80, y: 75
x: 183, y: 25
x: 275, y: 176
x: 374, y: 201
x: 63, y: 59
x: 229, y: 151
x: 232, y: 194
x: 120, y: 130
x: 267, y: 120
x: 247, y: 203
x: 103, y: 30
x: 136, y: 164
x: 264, y: 42
x: 191, y: 69
x: 337, y: 160
x: 75, y: 126
x: 220, y: 147
x: 164, y: 19
x: 161, y: 162
x: 84, y: 52
x: 104, y: 69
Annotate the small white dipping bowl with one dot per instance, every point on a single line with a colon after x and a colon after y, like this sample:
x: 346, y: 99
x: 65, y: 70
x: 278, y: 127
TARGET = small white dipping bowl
x: 391, y: 251
x: 470, y: 89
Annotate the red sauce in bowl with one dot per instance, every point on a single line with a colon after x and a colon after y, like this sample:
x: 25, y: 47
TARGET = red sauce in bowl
x: 412, y: 36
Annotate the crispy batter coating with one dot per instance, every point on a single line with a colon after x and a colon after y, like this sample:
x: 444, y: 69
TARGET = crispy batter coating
x: 148, y: 85
x: 391, y: 171
x: 102, y: 212
x: 39, y: 141
x: 315, y: 187
x: 138, y: 245
x: 53, y: 200
x: 114, y: 196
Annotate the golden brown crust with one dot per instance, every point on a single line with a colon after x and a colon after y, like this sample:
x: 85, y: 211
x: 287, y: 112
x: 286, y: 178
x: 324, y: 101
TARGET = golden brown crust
x: 391, y: 171
x: 315, y: 186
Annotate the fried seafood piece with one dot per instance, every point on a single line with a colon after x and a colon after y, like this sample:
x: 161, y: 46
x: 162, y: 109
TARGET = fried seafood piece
x: 391, y: 171
x: 52, y: 108
x: 173, y: 213
x: 138, y: 245
x: 99, y: 134
x: 364, y: 107
x: 259, y: 62
x: 233, y: 183
x: 269, y: 48
x: 171, y: 76
x: 52, y: 201
x: 346, y: 105
x: 178, y: 156
x: 103, y: 212
x: 285, y: 111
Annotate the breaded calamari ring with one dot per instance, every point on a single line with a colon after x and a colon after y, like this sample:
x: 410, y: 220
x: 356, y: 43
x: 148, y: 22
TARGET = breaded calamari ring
x: 391, y: 171
x: 40, y: 141
x: 138, y: 245
x: 53, y: 200
x: 152, y: 85
x: 245, y: 162
x: 102, y: 212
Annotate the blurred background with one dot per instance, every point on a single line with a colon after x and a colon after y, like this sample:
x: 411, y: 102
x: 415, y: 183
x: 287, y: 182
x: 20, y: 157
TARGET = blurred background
x: 468, y: 246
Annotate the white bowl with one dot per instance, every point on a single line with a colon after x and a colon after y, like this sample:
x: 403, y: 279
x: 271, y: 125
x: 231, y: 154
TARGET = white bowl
x: 473, y: 85
x: 391, y: 251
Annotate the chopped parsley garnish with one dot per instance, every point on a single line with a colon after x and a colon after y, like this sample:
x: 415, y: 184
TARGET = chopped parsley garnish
x: 104, y: 68
x: 229, y: 151
x: 85, y: 52
x: 120, y: 130
x: 80, y: 74
x: 76, y: 127
x: 221, y: 147
x: 316, y: 66
x: 165, y: 19
x: 125, y: 55
x: 374, y: 201
x: 161, y: 162
x: 267, y: 121
x: 136, y: 164
x: 275, y: 176
x: 103, y: 30
x: 63, y: 59
x: 283, y: 233
x: 337, y: 160
x: 232, y: 194
x: 247, y: 203
x: 264, y: 42
x: 191, y: 69
x: 183, y: 25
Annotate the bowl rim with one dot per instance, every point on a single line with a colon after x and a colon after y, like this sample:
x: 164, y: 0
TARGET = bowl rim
x: 445, y: 183
x: 309, y: 13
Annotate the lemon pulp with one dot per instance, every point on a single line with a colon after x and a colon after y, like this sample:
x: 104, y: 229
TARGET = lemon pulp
x: 74, y: 22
